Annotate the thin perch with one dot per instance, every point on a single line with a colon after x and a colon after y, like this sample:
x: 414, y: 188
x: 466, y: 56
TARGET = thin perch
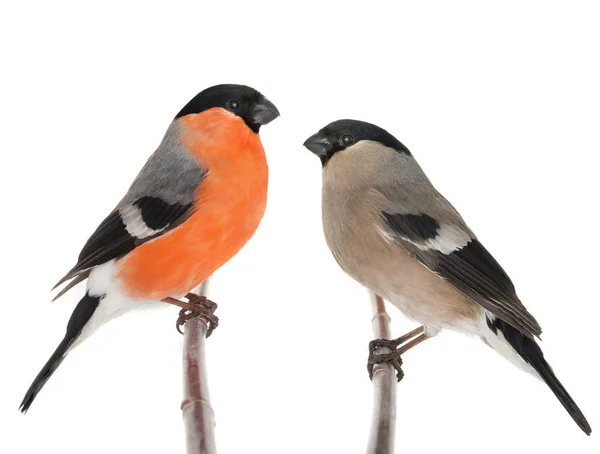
x: 383, y: 421
x: 198, y: 415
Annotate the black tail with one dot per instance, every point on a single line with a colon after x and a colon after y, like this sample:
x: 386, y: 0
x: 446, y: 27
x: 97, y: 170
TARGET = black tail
x: 81, y: 315
x: 532, y: 354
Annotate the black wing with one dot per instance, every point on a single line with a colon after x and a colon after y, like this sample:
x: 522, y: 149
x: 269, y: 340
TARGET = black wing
x: 125, y: 229
x: 450, y: 251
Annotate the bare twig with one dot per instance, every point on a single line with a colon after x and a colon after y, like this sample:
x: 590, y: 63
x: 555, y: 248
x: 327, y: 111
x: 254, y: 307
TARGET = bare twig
x: 198, y: 415
x: 383, y: 422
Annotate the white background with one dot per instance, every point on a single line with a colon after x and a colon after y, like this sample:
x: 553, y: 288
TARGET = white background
x: 500, y: 105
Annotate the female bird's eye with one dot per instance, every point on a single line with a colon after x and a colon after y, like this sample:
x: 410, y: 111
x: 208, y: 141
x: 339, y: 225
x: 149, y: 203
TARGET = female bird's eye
x: 233, y: 105
x: 347, y: 139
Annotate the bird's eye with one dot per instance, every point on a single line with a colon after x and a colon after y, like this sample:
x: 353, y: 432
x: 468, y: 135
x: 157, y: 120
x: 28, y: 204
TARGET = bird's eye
x: 347, y: 139
x: 234, y: 105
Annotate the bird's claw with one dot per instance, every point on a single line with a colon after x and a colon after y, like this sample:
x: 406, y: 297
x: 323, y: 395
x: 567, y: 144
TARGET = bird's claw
x: 205, y: 309
x: 201, y: 301
x: 392, y: 344
x: 394, y: 358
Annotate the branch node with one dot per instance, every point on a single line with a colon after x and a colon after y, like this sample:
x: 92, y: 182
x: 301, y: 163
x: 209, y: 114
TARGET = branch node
x: 188, y: 403
x: 382, y: 315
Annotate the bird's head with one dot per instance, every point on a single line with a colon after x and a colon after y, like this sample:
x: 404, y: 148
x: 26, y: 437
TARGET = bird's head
x: 238, y: 100
x: 346, y: 135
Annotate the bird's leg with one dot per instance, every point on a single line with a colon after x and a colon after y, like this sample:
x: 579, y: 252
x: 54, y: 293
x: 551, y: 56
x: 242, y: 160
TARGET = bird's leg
x: 198, y: 306
x: 398, y: 346
x: 394, y: 343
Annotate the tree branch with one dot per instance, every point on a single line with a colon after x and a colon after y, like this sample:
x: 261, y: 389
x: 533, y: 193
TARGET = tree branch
x: 383, y: 420
x: 198, y: 415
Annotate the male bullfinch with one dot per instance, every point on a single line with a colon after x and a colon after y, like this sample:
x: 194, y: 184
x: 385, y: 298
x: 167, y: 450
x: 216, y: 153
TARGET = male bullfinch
x: 390, y: 230
x: 198, y: 199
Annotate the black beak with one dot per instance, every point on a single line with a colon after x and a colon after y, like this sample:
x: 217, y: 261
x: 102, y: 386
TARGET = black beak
x: 264, y: 112
x: 319, y: 145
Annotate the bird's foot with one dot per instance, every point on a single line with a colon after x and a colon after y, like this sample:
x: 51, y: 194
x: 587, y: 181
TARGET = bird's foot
x: 204, y: 308
x: 398, y: 347
x: 394, y: 357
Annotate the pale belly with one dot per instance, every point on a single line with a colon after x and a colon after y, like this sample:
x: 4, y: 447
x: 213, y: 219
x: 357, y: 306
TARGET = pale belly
x: 423, y: 296
x: 370, y: 257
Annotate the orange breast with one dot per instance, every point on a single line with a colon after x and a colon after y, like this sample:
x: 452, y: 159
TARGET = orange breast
x: 231, y: 201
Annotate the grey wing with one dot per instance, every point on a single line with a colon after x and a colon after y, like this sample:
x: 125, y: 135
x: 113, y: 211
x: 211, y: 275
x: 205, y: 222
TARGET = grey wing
x: 161, y: 197
x: 427, y: 226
